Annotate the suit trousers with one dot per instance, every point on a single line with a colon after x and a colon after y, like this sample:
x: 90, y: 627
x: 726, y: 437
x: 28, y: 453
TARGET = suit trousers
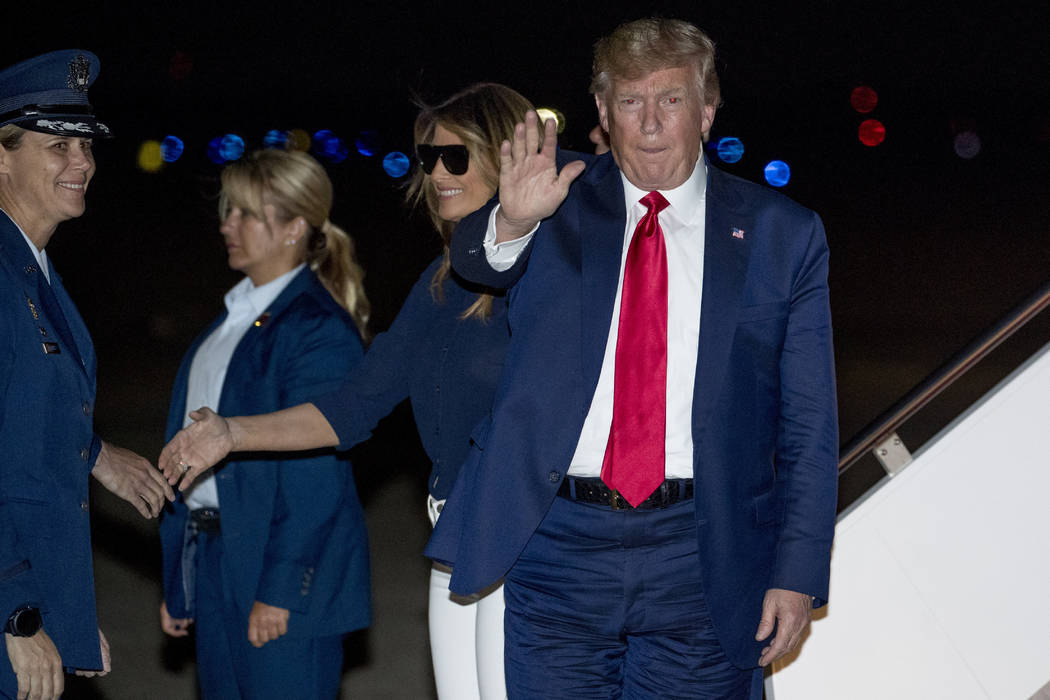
x: 607, y: 603
x: 230, y: 668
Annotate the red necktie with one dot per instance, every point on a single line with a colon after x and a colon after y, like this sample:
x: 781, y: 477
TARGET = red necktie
x: 634, y: 457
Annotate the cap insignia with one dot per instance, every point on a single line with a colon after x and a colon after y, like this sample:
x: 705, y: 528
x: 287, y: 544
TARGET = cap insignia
x: 79, y: 74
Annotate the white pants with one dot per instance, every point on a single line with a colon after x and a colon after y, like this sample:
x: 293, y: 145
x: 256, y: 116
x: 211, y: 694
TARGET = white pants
x: 466, y: 641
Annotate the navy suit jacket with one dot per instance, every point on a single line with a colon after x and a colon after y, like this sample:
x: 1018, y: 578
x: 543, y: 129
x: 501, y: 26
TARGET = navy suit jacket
x: 47, y: 402
x: 293, y: 530
x: 764, y: 423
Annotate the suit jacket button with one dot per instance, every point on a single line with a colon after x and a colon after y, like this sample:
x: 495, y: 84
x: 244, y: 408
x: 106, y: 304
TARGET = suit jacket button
x: 84, y: 453
x: 83, y: 505
x: 87, y: 408
x: 554, y: 477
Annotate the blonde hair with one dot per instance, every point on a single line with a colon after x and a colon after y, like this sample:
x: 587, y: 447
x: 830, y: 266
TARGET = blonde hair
x: 483, y: 116
x: 296, y: 185
x: 638, y: 48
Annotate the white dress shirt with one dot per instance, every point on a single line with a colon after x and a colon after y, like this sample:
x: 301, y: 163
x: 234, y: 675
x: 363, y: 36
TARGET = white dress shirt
x: 683, y: 227
x: 244, y: 304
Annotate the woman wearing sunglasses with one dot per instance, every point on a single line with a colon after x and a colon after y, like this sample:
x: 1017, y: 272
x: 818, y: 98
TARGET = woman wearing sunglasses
x: 444, y: 352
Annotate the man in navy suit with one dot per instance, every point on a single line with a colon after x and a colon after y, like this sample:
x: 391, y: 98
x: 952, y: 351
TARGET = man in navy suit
x: 47, y: 375
x: 657, y: 482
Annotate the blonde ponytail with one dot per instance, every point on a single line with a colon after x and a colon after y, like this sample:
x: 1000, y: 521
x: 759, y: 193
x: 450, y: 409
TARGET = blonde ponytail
x: 296, y: 185
x: 330, y: 254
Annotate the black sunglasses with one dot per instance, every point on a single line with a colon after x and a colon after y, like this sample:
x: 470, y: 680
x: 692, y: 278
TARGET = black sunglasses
x: 456, y: 158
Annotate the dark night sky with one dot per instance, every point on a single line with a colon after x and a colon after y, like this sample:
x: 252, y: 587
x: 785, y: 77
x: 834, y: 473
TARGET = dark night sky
x: 927, y: 249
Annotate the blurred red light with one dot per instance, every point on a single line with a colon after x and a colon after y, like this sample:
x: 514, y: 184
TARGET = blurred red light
x: 871, y: 132
x: 863, y: 99
x: 180, y: 66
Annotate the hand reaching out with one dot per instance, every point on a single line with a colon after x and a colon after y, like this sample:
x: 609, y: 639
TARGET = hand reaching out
x: 132, y: 478
x: 196, y: 447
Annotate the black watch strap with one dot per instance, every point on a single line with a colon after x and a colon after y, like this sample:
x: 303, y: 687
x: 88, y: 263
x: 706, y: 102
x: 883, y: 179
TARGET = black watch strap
x: 24, y: 622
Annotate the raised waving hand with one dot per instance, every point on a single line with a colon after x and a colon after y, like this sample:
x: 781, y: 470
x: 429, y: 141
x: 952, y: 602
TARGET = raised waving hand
x: 530, y: 186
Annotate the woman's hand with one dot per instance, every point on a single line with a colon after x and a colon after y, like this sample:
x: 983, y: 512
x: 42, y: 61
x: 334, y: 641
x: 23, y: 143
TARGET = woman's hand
x: 174, y: 626
x: 196, y: 447
x: 266, y: 623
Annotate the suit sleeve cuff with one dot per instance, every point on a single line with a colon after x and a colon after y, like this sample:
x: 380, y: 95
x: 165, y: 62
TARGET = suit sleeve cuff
x: 502, y: 256
x: 286, y: 584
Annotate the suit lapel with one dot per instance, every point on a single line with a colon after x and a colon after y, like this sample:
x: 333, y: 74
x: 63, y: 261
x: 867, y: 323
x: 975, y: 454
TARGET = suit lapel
x: 602, y: 214
x: 40, y: 299
x: 299, y: 284
x: 726, y: 251
x: 74, y: 324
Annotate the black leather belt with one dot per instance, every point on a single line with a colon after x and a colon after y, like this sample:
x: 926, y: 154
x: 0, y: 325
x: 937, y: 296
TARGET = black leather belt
x: 594, y: 490
x: 206, y: 520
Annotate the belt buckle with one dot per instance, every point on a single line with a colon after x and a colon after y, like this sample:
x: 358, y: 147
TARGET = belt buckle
x: 614, y: 501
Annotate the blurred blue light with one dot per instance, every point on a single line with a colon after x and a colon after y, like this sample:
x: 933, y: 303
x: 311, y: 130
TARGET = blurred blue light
x: 232, y: 147
x: 367, y: 143
x: 338, y: 151
x: 396, y: 164
x: 329, y: 146
x: 171, y: 148
x: 214, y: 148
x: 730, y: 149
x: 275, y: 138
x: 777, y: 173
x: 324, y: 141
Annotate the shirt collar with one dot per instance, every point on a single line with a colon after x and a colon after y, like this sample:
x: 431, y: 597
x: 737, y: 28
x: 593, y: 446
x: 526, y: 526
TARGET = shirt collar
x: 39, y: 253
x: 246, y: 296
x: 685, y: 200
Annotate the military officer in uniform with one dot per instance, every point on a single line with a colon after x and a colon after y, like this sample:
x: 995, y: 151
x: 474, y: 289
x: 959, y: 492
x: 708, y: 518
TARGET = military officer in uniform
x: 47, y: 388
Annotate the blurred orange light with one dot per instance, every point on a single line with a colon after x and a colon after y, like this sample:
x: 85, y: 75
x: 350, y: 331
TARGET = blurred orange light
x: 298, y: 140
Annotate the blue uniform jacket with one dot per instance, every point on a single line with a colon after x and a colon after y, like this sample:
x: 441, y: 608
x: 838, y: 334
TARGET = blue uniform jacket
x: 446, y: 365
x: 293, y: 530
x: 47, y: 401
x: 764, y: 423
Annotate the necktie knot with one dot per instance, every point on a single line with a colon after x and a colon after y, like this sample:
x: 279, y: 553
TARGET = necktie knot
x: 654, y: 202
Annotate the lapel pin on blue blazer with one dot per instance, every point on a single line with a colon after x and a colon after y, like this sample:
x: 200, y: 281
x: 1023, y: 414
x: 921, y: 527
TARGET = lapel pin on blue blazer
x: 738, y: 233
